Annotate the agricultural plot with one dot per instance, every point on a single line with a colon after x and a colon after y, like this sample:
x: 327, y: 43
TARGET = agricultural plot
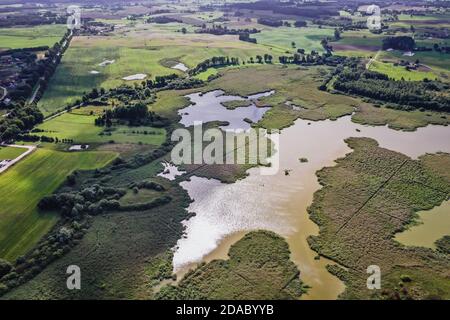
x: 361, y: 43
x: 21, y: 188
x: 28, y: 37
x: 82, y: 130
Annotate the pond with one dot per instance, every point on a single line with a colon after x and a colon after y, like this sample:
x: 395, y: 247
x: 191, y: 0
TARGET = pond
x: 207, y: 107
x: 431, y: 226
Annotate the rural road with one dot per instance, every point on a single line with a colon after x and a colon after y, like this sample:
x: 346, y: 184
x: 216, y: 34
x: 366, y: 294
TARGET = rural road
x: 372, y: 60
x: 30, y: 149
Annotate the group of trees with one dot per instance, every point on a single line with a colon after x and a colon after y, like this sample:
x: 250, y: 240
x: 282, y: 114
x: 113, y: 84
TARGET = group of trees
x: 135, y: 114
x: 220, y: 61
x: 21, y: 118
x: 31, y: 19
x: 222, y: 30
x: 246, y: 37
x: 407, y: 95
x: 162, y: 20
x: 313, y: 58
x: 404, y: 43
x: 270, y: 22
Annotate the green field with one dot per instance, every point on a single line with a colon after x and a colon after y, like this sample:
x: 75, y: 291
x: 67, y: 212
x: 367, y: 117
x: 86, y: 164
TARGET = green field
x: 280, y: 39
x: 82, y: 130
x: 399, y: 72
x: 438, y: 62
x: 140, y: 51
x: 9, y: 153
x: 21, y: 188
x: 28, y: 37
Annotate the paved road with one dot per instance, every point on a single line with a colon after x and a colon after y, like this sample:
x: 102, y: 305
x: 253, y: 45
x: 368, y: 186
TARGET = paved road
x: 30, y: 149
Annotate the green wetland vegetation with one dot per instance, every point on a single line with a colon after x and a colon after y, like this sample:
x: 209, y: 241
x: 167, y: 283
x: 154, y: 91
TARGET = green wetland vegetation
x: 258, y: 267
x: 356, y: 231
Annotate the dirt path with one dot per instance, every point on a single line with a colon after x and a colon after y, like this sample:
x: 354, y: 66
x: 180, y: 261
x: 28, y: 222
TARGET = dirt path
x: 372, y: 60
x: 30, y: 149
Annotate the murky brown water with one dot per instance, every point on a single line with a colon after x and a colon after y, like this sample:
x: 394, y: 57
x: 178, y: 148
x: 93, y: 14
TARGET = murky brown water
x: 434, y: 224
x: 224, y: 212
x: 207, y: 107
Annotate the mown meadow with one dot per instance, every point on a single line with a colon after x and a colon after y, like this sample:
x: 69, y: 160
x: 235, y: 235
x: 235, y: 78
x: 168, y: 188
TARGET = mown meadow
x: 28, y: 37
x: 82, y: 130
x: 23, y: 185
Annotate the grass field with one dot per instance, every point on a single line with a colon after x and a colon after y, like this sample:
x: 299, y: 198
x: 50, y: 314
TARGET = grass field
x: 280, y: 39
x: 135, y: 50
x: 9, y: 153
x: 118, y: 249
x: 399, y: 72
x: 27, y: 37
x: 81, y: 129
x: 438, y: 62
x: 21, y: 188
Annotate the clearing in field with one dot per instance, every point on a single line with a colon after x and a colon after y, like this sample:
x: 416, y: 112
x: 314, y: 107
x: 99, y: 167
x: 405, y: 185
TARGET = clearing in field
x: 21, y: 188
x: 82, y: 130
x: 28, y: 37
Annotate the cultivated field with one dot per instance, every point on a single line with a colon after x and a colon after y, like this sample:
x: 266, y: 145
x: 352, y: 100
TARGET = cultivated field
x: 21, y: 188
x: 28, y: 37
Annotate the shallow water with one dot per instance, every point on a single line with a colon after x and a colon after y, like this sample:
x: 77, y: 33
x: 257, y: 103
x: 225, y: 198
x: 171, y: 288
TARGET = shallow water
x: 433, y: 225
x: 207, y: 107
x: 170, y: 171
x: 137, y: 76
x: 180, y: 66
x: 279, y: 202
x: 106, y: 62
